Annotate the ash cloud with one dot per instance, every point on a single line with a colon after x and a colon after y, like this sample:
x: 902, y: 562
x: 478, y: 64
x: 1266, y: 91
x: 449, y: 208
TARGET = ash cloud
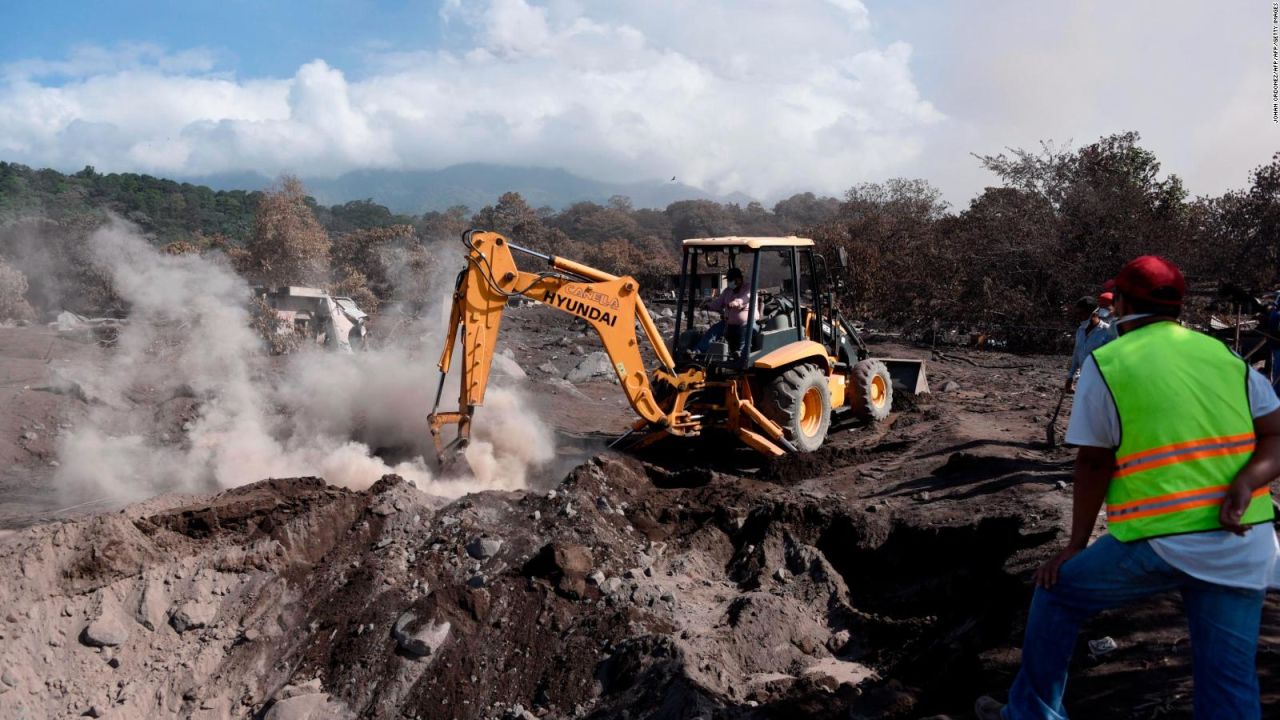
x: 188, y: 401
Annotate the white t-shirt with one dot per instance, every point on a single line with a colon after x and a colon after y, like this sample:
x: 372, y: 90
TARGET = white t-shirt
x: 1218, y: 556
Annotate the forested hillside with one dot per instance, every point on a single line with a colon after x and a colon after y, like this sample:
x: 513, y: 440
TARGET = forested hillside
x: 1053, y: 225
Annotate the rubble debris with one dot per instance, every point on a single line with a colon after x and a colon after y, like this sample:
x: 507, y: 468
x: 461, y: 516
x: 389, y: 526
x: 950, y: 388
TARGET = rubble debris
x: 900, y: 612
x: 509, y: 367
x: 419, y: 639
x: 1101, y: 646
x: 107, y: 630
x: 593, y: 365
x: 193, y: 615
x: 483, y: 548
x: 564, y: 565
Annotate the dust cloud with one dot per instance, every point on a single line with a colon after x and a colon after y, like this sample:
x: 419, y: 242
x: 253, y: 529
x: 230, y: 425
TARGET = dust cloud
x: 188, y: 400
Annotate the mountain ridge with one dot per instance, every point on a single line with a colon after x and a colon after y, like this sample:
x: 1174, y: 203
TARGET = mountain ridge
x: 473, y: 185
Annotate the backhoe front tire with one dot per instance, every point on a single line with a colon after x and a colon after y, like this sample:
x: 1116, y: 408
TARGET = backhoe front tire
x: 800, y: 401
x: 871, y: 390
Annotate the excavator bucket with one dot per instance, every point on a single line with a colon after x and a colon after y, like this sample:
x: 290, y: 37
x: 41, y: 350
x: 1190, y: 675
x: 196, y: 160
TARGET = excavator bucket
x: 451, y: 459
x: 908, y: 375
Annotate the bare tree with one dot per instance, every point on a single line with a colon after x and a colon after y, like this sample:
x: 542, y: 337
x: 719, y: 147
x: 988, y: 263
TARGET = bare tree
x: 288, y: 246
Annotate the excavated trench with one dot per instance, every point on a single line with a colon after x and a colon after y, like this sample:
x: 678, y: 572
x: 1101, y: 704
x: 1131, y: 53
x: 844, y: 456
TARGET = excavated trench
x: 924, y: 604
x: 627, y: 591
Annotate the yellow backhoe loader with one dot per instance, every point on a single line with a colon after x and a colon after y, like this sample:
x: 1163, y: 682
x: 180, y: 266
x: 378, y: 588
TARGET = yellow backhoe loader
x: 792, y: 366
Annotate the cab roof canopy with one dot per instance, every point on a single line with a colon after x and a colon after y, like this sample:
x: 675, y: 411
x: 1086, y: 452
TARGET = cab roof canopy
x: 755, y: 243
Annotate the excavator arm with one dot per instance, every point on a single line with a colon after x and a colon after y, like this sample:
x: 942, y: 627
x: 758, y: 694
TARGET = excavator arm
x: 610, y: 304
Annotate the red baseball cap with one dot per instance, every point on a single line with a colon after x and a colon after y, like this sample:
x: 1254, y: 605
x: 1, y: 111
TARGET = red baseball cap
x: 1153, y: 279
x: 1106, y: 298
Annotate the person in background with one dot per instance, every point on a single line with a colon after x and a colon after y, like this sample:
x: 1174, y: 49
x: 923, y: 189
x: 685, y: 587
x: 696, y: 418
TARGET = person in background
x: 1271, y: 326
x: 1105, y: 303
x: 734, y: 305
x: 1092, y: 333
x: 1181, y: 439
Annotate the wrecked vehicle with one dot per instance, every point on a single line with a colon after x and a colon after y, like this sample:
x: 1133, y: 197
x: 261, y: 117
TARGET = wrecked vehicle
x: 312, y: 315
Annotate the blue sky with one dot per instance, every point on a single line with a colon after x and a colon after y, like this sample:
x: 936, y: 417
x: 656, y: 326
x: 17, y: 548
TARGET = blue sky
x: 765, y: 97
x: 261, y: 38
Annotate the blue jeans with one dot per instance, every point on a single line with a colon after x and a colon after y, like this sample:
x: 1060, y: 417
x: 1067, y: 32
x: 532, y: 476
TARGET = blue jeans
x: 1224, y: 623
x: 718, y: 330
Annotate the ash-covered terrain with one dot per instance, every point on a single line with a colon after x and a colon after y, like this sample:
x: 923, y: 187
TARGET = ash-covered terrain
x: 886, y: 576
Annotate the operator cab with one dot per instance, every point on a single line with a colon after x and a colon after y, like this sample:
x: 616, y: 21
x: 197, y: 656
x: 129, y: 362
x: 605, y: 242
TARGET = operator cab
x: 792, y: 300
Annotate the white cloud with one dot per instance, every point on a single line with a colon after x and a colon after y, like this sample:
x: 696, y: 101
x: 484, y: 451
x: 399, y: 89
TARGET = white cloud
x: 1193, y: 78
x: 761, y: 96
x: 86, y: 60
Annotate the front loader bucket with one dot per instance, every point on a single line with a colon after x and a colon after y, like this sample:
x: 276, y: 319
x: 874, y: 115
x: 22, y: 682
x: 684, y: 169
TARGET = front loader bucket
x: 908, y: 375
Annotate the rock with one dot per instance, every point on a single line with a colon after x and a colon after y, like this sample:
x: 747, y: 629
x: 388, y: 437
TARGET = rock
x: 578, y: 350
x: 251, y: 634
x: 9, y: 678
x: 509, y: 367
x: 566, y: 386
x: 92, y: 712
x: 517, y: 712
x: 483, y: 548
x: 668, y: 313
x: 549, y: 368
x: 309, y: 687
x: 151, y: 606
x: 1102, y: 646
x: 950, y: 386
x: 419, y: 640
x: 477, y: 581
x: 838, y: 641
x: 596, y: 578
x: 564, y: 565
x: 1061, y: 485
x: 781, y: 575
x: 193, y: 615
x: 108, y: 630
x: 596, y: 364
x: 29, y: 436
x: 311, y: 706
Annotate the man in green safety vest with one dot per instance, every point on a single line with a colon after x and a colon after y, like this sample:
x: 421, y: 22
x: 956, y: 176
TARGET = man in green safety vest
x: 1181, y: 438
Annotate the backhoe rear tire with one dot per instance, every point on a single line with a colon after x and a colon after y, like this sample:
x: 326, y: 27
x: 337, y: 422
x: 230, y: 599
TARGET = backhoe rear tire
x: 871, y: 390
x: 800, y: 401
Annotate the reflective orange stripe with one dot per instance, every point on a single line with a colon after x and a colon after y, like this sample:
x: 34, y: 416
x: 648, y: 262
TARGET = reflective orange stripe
x: 1165, y: 498
x: 1181, y: 446
x: 1179, y: 507
x: 1188, y: 455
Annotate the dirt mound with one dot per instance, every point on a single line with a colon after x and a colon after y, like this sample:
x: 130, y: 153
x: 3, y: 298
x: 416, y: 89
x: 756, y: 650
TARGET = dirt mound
x: 291, y: 595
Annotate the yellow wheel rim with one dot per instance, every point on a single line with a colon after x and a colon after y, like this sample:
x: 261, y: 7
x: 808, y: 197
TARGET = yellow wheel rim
x: 879, y: 391
x: 811, y: 412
